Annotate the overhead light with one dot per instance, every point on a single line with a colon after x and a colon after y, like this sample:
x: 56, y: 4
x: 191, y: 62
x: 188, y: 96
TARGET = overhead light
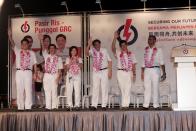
x: 1, y: 2
x: 100, y: 6
x: 98, y: 1
x: 144, y: 1
x: 64, y: 3
x: 189, y: 4
x: 17, y: 5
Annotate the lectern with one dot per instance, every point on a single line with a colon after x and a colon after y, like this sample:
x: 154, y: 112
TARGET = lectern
x: 185, y: 57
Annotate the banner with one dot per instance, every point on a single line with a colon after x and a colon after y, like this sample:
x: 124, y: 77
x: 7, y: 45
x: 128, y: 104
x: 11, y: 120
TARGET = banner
x: 171, y: 28
x: 70, y: 26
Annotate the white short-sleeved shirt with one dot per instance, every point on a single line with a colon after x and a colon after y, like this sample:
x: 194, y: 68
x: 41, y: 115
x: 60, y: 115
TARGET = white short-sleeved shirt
x: 63, y: 54
x: 40, y: 58
x: 74, y: 66
x: 52, y: 63
x: 158, y: 58
x: 24, y: 59
x: 96, y: 57
x: 132, y: 57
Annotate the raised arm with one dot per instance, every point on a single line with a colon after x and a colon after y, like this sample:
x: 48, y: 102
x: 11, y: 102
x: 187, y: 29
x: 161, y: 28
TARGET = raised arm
x: 114, y: 43
x: 12, y: 43
x: 88, y: 46
x: 40, y: 37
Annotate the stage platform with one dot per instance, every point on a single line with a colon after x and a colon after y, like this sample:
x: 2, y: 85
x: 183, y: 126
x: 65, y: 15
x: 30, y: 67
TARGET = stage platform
x: 87, y: 120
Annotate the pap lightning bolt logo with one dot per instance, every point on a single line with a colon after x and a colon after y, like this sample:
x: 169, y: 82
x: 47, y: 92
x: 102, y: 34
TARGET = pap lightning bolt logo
x: 127, y: 30
x: 25, y: 27
x: 126, y: 33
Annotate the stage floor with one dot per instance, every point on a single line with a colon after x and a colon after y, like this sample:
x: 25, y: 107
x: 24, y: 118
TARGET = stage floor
x: 87, y: 120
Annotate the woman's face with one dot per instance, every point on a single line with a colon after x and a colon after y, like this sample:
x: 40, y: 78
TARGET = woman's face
x: 73, y: 52
x: 46, y: 43
x: 25, y: 45
x: 52, y: 50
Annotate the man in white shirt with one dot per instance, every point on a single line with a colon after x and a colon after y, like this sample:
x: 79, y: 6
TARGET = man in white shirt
x: 102, y: 71
x: 30, y: 39
x: 53, y: 66
x: 25, y: 61
x: 153, y: 61
x: 73, y: 66
x: 126, y: 69
x: 62, y: 51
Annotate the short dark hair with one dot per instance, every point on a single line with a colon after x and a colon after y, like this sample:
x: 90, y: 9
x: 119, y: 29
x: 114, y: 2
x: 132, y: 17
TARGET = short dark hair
x: 60, y: 35
x: 153, y: 36
x: 96, y: 41
x: 28, y: 37
x: 40, y: 67
x: 24, y: 40
x: 47, y: 36
x: 51, y: 45
x: 122, y: 42
x: 71, y: 48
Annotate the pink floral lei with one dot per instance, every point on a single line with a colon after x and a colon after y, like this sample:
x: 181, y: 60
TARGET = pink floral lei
x: 74, y: 66
x: 25, y: 59
x: 97, y: 60
x: 126, y: 65
x: 51, y: 64
x: 149, y: 63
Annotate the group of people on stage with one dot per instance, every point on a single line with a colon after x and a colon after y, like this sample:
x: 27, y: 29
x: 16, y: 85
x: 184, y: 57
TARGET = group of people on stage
x: 54, y: 65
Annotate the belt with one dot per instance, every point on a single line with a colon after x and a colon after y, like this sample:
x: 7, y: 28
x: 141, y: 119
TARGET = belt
x: 48, y: 72
x: 23, y: 69
x: 123, y: 69
x: 153, y: 67
x: 103, y: 69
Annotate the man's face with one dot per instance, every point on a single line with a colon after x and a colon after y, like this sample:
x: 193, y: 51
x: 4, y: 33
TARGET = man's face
x: 61, y: 42
x: 52, y: 50
x: 25, y: 45
x: 124, y: 47
x: 97, y: 46
x: 30, y: 42
x: 151, y: 41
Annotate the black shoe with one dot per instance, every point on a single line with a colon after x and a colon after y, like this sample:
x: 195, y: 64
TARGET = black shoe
x: 124, y: 108
x: 28, y: 110
x: 46, y: 109
x: 104, y: 108
x: 55, y: 109
x: 157, y: 108
x: 93, y: 108
x: 21, y: 110
x: 77, y: 108
x: 144, y: 108
x: 68, y: 108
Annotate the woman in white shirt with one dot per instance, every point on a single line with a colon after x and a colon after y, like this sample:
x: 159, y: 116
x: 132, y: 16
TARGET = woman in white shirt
x: 73, y: 66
